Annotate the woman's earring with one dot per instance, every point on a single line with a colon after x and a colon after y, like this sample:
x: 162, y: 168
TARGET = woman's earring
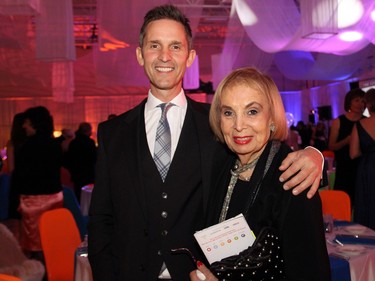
x: 272, y: 127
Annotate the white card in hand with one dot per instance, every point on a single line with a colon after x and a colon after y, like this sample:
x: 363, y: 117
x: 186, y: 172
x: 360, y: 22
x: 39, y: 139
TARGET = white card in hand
x: 225, y: 239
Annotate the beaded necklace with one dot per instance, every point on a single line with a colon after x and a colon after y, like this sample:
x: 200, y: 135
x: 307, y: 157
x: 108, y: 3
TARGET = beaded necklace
x: 236, y: 171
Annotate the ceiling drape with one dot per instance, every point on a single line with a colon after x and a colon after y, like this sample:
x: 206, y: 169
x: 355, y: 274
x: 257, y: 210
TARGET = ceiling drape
x: 275, y: 28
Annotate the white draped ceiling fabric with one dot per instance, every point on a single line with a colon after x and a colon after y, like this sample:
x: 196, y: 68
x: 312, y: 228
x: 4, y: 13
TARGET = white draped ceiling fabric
x: 55, y: 44
x: 54, y: 39
x: 277, y: 28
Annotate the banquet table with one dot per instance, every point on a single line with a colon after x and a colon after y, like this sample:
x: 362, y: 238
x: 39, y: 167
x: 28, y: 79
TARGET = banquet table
x: 86, y: 199
x: 351, y: 248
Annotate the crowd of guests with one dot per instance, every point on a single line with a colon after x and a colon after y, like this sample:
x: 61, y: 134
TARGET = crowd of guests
x: 309, y: 134
x: 35, y: 159
x: 351, y: 138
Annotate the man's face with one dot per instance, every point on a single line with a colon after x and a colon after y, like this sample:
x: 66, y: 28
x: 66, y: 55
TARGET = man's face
x: 165, y: 56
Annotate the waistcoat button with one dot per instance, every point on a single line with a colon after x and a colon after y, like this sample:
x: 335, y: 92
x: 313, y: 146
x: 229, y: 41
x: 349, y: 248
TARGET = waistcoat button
x: 164, y: 214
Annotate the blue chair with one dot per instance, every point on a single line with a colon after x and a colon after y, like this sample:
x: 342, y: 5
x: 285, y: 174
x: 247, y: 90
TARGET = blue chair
x: 340, y: 270
x: 4, y: 195
x: 71, y: 203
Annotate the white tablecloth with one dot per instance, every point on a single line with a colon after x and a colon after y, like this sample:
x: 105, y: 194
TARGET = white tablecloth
x: 362, y: 265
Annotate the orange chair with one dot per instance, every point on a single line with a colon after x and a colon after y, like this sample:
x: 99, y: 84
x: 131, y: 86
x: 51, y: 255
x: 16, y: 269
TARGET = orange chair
x: 4, y: 277
x: 329, y: 157
x: 337, y: 203
x: 60, y: 238
x: 328, y: 154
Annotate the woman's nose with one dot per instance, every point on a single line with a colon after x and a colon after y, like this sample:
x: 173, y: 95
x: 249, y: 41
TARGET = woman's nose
x: 238, y: 123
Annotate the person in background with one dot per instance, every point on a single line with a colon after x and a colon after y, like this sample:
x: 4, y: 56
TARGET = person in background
x: 294, y: 139
x: 137, y: 214
x: 64, y: 140
x: 362, y: 146
x: 81, y: 158
x: 67, y: 135
x: 318, y: 138
x: 17, y: 140
x: 305, y: 132
x: 38, y: 172
x: 111, y: 116
x: 339, y: 140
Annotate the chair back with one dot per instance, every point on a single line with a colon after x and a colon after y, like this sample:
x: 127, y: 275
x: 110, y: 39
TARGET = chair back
x: 71, y: 203
x: 4, y: 196
x: 4, y: 277
x: 337, y: 203
x: 329, y: 158
x: 328, y: 154
x: 60, y: 238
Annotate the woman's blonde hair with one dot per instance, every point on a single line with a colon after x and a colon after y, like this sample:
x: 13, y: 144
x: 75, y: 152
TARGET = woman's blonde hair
x: 259, y: 82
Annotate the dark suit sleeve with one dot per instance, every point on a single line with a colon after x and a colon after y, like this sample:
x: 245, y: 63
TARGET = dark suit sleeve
x: 100, y: 227
x: 304, y: 241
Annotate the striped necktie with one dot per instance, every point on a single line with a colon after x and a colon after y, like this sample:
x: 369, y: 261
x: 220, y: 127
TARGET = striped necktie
x: 162, y: 151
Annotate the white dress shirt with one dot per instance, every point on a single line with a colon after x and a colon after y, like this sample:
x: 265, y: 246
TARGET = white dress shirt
x: 175, y: 115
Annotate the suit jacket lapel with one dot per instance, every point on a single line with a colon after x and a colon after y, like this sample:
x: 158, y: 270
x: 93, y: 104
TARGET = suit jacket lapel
x: 135, y: 125
x: 206, y: 144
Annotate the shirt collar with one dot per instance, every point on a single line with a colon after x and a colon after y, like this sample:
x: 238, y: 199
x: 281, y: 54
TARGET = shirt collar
x: 153, y: 102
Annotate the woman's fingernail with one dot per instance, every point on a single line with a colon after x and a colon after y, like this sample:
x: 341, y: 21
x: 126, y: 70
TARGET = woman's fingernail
x: 199, y: 263
x: 281, y: 179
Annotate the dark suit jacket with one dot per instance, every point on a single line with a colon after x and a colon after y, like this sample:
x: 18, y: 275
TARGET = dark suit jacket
x: 124, y: 238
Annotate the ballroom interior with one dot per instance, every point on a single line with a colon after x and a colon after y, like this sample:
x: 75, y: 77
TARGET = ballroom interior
x: 77, y: 57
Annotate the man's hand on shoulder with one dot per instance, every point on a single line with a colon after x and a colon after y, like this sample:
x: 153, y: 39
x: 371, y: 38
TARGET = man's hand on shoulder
x: 306, y: 168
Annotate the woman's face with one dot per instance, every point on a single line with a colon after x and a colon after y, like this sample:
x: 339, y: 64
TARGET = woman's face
x: 29, y: 129
x: 245, y: 120
x: 357, y: 105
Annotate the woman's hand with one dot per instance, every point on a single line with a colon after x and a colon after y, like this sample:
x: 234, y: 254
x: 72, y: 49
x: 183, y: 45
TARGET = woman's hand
x: 203, y: 273
x: 306, y: 168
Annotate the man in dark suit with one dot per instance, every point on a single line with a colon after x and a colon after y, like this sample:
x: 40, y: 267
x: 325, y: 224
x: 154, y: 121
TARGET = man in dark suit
x: 81, y: 158
x: 136, y: 216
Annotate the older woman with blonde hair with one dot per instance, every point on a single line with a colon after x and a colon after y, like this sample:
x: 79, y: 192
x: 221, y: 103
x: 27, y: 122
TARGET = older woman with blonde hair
x: 247, y: 114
